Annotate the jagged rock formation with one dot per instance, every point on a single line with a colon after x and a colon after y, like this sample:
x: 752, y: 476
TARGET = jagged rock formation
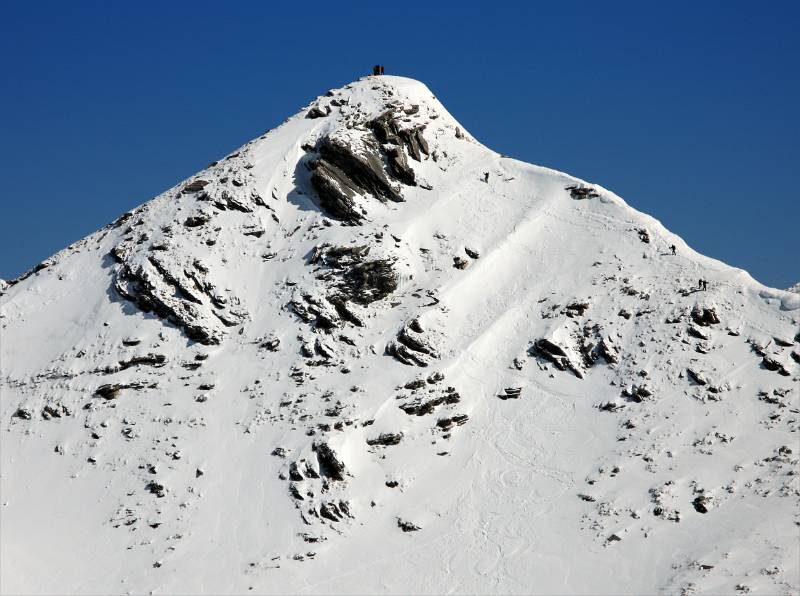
x: 364, y: 348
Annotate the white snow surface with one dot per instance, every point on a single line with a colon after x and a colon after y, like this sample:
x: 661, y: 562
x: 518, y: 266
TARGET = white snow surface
x: 591, y: 481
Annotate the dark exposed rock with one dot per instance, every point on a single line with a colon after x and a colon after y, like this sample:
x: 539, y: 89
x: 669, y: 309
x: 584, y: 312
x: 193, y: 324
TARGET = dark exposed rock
x: 773, y: 365
x: 271, y: 343
x: 350, y: 167
x: 610, y: 406
x: 704, y: 316
x: 109, y: 391
x: 696, y: 376
x: 155, y: 488
x: 336, y: 192
x: 370, y: 281
x: 582, y: 192
x: 447, y: 423
x: 415, y: 384
x: 644, y: 236
x: 294, y: 472
x: 318, y: 112
x: 339, y: 257
x: 310, y: 471
x: 546, y: 349
x: 510, y: 393
x: 362, y: 168
x: 330, y: 511
x: 253, y: 230
x: 637, y: 393
x: 407, y: 526
x: 422, y: 407
x: 404, y: 354
x: 294, y: 490
x: 345, y: 311
x: 696, y: 332
x: 155, y: 360
x: 412, y: 336
x: 399, y: 166
x: 460, y: 263
x: 55, y: 411
x: 576, y: 309
x: 412, y: 346
x: 330, y: 466
x: 435, y: 377
x: 594, y: 347
x: 386, y: 439
x: 472, y: 254
x: 324, y: 349
x: 357, y: 279
x: 195, y: 186
x: 194, y: 221
x: 138, y: 286
x: 388, y: 131
x: 701, y: 503
x: 301, y: 311
x: 23, y: 413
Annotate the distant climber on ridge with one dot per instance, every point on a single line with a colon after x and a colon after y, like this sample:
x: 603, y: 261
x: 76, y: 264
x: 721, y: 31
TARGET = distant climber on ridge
x: 672, y: 248
x: 377, y: 70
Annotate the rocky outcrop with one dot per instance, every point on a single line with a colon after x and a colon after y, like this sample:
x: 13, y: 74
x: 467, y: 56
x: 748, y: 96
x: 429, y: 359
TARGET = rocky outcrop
x: 450, y: 421
x: 154, y: 360
x: 318, y: 111
x: 336, y: 192
x: 510, y: 393
x: 696, y: 376
x: 389, y: 129
x: 363, y: 163
x: 385, y: 439
x: 423, y: 406
x: 369, y: 281
x: 772, y: 364
x: 579, y: 191
x: 413, y: 345
x: 704, y: 316
x: 140, y: 286
x: 356, y: 278
x: 407, y: 526
x: 594, y: 347
x: 547, y: 350
x: 330, y: 465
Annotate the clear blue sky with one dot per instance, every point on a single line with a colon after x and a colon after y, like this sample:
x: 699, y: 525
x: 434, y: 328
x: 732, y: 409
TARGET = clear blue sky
x: 688, y: 110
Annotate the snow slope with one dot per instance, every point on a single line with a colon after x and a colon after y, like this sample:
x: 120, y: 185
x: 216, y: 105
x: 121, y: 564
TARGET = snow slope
x: 365, y: 353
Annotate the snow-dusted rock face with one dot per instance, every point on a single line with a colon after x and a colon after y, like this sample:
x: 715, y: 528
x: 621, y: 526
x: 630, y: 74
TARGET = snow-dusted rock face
x: 365, y: 353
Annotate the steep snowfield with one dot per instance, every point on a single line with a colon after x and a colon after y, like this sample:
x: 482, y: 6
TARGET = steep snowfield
x: 365, y: 353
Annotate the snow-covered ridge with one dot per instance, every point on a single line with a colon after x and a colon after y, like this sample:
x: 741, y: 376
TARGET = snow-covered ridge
x: 364, y: 348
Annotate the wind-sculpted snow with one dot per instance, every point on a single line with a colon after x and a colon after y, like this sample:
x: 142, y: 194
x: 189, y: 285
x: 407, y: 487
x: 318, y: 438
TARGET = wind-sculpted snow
x: 364, y: 353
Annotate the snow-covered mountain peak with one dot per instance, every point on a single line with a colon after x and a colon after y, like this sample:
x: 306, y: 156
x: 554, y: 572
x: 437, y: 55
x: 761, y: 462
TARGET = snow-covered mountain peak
x: 364, y: 348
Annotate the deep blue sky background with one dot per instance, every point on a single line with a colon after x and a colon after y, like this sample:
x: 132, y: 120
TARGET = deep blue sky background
x: 689, y: 110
